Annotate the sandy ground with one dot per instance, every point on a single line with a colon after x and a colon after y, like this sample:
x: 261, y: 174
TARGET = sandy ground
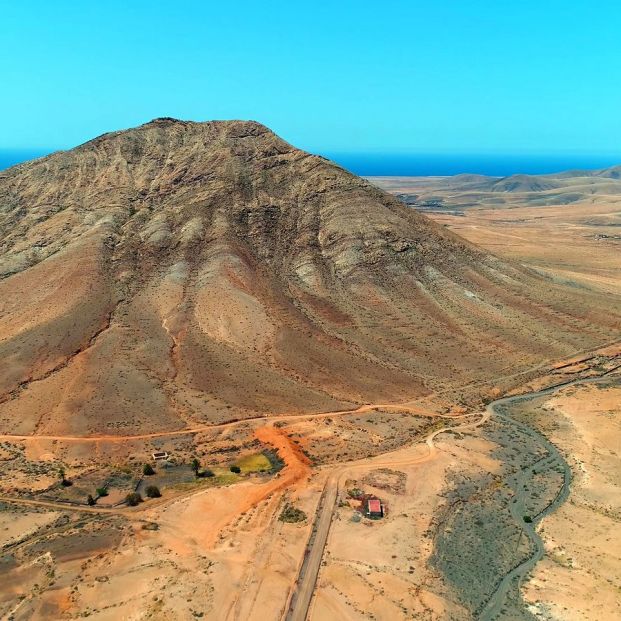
x: 577, y: 242
x: 578, y: 580
x: 566, y: 241
x: 379, y: 569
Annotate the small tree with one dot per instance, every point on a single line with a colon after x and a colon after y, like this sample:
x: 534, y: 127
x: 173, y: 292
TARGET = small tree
x: 235, y: 469
x: 62, y: 476
x: 101, y: 492
x: 90, y: 501
x: 133, y: 499
x: 147, y: 470
x: 196, y: 466
x: 153, y: 491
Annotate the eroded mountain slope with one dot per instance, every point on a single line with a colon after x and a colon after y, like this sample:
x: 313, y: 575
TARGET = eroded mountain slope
x: 182, y: 273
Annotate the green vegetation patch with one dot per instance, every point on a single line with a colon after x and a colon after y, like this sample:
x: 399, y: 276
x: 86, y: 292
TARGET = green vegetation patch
x: 292, y: 514
x: 258, y: 462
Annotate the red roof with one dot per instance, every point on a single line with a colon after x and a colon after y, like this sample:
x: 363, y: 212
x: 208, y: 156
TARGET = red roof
x: 374, y: 505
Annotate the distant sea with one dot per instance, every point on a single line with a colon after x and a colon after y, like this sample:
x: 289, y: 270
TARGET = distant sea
x: 441, y: 164
x: 10, y: 157
x: 419, y: 164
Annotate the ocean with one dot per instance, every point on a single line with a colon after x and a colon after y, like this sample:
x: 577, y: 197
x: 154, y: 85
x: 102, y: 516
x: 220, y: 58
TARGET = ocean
x: 441, y: 164
x: 422, y: 164
x: 10, y: 157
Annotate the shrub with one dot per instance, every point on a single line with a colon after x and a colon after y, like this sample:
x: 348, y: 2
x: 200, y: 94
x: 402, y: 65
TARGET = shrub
x: 195, y: 466
x: 235, y: 469
x: 63, y: 480
x: 90, y: 501
x: 101, y: 492
x: 292, y: 514
x: 147, y: 470
x: 528, y: 519
x: 209, y: 473
x: 133, y: 499
x: 153, y: 491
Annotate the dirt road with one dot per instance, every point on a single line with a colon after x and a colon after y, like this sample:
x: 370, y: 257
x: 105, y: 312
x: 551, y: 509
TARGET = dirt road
x: 300, y: 600
x: 403, y: 406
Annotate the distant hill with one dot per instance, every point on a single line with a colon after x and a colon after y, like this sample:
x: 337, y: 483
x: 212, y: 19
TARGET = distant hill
x: 524, y: 183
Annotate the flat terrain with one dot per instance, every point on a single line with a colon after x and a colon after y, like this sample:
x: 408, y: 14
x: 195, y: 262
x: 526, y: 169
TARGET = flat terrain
x: 571, y: 231
x: 578, y: 578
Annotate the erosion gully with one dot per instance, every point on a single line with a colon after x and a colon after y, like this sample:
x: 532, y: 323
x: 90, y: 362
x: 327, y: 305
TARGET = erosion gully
x: 493, y: 608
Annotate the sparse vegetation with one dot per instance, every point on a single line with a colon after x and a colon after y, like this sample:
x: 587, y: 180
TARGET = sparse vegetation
x: 196, y: 465
x: 133, y: 499
x: 153, y: 491
x: 292, y: 514
x: 64, y: 481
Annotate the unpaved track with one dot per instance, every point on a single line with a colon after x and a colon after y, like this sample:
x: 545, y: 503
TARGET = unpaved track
x: 305, y: 584
x: 404, y: 406
x: 63, y: 506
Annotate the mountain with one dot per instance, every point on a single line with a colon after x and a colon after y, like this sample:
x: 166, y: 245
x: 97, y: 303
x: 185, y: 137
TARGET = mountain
x: 182, y: 273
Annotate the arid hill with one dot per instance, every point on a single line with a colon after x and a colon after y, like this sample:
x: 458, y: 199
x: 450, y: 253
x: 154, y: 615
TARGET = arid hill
x: 182, y: 273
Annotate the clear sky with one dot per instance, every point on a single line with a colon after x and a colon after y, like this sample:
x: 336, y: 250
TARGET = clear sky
x: 528, y: 76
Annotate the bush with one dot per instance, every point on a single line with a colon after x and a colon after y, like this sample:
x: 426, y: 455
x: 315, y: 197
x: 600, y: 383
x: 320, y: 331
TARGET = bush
x: 209, y: 473
x: 153, y: 491
x: 90, y: 501
x: 133, y: 499
x: 235, y: 469
x: 292, y: 514
x: 147, y: 470
x: 528, y: 519
x: 101, y: 492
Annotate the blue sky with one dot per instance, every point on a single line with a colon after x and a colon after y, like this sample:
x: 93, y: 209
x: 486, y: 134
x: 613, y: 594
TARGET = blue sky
x: 463, y: 76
